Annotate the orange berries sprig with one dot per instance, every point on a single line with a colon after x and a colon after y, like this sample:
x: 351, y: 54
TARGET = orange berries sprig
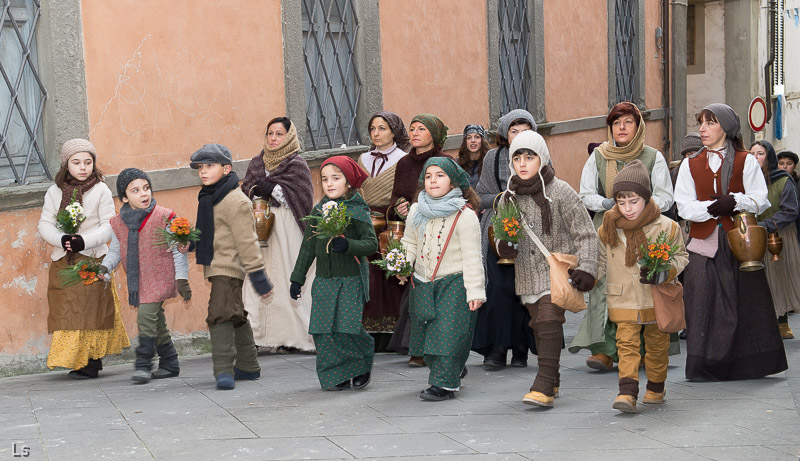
x: 179, y: 232
x: 657, y: 256
x: 506, y: 222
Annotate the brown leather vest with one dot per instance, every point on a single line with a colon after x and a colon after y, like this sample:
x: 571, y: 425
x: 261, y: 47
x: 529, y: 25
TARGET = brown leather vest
x: 704, y: 180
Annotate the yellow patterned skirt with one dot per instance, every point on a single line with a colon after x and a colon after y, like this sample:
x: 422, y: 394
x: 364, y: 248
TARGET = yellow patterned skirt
x: 73, y: 348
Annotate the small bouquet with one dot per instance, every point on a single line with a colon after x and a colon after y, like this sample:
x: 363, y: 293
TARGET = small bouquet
x: 180, y: 233
x: 657, y: 257
x: 506, y: 222
x: 395, y: 261
x: 85, y: 272
x: 70, y: 218
x: 331, y: 223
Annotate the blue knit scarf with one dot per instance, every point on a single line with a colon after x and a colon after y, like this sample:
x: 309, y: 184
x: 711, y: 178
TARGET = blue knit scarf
x: 432, y: 208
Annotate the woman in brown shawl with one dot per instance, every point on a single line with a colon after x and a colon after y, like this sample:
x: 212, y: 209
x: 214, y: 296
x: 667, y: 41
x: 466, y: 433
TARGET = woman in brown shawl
x: 389, y: 144
x: 281, y: 175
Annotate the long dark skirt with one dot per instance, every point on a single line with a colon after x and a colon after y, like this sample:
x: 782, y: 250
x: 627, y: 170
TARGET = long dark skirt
x: 503, y: 319
x: 733, y: 333
x: 401, y: 338
x: 383, y: 308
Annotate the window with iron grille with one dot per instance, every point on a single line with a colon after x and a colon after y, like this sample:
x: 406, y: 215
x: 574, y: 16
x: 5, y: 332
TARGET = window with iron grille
x: 22, y: 96
x: 332, y: 84
x: 625, y: 14
x: 515, y: 77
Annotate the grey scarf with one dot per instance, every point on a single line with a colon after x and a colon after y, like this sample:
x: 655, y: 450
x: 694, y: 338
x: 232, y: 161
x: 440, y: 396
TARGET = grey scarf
x: 133, y: 218
x: 432, y: 208
x: 729, y: 121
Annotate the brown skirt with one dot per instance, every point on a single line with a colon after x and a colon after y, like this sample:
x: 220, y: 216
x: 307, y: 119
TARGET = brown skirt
x: 78, y: 307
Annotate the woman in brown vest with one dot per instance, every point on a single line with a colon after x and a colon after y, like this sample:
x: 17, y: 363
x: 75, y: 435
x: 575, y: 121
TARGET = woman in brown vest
x: 733, y: 332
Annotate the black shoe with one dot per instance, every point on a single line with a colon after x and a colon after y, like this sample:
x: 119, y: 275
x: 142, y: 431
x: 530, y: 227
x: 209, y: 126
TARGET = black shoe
x: 361, y: 381
x: 81, y: 374
x: 519, y: 357
x: 340, y: 386
x: 682, y: 334
x: 464, y: 372
x: 495, y: 359
x: 436, y: 394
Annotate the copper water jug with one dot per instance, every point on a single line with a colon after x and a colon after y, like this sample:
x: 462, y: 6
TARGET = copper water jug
x: 265, y: 220
x: 748, y: 242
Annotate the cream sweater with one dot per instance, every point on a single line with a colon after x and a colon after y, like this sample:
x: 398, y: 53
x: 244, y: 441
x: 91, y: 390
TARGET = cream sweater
x: 463, y: 252
x: 98, y: 206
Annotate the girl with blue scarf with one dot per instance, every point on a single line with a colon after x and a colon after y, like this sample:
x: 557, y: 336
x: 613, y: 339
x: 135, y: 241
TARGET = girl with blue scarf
x: 442, y: 242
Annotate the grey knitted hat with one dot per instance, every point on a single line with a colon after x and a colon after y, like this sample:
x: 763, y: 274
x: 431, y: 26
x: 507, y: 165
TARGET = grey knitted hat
x: 505, y: 121
x: 127, y: 176
x: 211, y: 153
x: 691, y: 143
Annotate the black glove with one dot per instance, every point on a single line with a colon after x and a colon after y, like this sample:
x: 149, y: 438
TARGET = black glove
x: 184, y: 289
x: 76, y: 243
x: 581, y: 280
x: 658, y: 277
x: 64, y: 239
x: 339, y: 245
x: 264, y: 190
x: 294, y: 290
x: 506, y: 250
x: 723, y: 206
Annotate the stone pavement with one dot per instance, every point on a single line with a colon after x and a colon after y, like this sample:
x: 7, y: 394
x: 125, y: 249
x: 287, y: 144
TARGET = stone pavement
x: 286, y: 416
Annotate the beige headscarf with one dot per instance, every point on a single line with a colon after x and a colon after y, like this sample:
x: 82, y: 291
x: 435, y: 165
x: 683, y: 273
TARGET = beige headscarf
x: 290, y: 145
x: 613, y: 153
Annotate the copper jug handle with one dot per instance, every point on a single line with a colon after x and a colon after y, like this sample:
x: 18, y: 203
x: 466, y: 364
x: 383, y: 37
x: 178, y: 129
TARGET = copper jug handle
x: 250, y: 192
x: 742, y: 226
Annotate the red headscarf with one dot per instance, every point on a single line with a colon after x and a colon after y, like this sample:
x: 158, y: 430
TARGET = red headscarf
x: 354, y: 174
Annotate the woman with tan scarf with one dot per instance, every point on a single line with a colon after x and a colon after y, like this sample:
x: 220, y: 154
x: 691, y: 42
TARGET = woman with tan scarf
x: 626, y: 134
x: 281, y: 175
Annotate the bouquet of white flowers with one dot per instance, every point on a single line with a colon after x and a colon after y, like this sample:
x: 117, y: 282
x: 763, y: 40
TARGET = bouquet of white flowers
x: 69, y: 219
x: 395, y: 261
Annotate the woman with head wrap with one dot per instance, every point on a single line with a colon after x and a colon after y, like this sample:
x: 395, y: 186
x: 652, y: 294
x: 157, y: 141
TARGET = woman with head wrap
x: 472, y: 151
x: 730, y: 317
x: 781, y: 217
x: 280, y: 175
x: 389, y: 144
x: 626, y: 132
x: 428, y: 134
x: 503, y: 323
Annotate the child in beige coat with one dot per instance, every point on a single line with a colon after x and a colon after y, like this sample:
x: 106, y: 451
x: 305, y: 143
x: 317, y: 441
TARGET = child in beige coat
x: 633, y: 220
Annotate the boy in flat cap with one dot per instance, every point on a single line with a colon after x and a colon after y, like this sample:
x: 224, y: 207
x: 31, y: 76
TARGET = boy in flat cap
x: 228, y: 250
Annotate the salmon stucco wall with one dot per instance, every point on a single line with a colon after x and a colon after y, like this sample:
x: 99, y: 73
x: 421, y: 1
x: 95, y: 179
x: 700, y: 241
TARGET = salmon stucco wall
x: 434, y: 60
x: 576, y: 60
x: 164, y: 78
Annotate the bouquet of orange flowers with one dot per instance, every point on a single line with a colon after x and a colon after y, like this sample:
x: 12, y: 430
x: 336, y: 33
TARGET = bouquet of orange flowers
x: 657, y: 256
x: 179, y: 233
x: 85, y: 272
x: 506, y: 222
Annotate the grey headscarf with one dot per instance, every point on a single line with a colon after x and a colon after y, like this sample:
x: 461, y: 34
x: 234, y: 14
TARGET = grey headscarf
x: 729, y: 121
x: 505, y: 121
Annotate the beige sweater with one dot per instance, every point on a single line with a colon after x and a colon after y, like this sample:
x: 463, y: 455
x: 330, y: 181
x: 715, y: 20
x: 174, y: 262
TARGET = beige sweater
x: 236, y: 249
x: 463, y: 252
x: 95, y: 230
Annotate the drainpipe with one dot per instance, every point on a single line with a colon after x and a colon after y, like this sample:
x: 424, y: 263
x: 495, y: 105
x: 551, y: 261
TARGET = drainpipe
x: 768, y: 70
x: 665, y: 77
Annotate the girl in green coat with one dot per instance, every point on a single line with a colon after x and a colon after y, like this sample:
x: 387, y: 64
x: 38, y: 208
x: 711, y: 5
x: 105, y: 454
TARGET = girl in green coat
x: 340, y: 289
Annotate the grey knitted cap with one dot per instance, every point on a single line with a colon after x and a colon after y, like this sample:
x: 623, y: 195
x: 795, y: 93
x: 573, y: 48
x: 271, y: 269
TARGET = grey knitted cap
x: 505, y: 121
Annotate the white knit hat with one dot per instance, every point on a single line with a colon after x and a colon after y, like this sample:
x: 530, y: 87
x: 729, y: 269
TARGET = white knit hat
x: 534, y: 142
x: 74, y: 146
